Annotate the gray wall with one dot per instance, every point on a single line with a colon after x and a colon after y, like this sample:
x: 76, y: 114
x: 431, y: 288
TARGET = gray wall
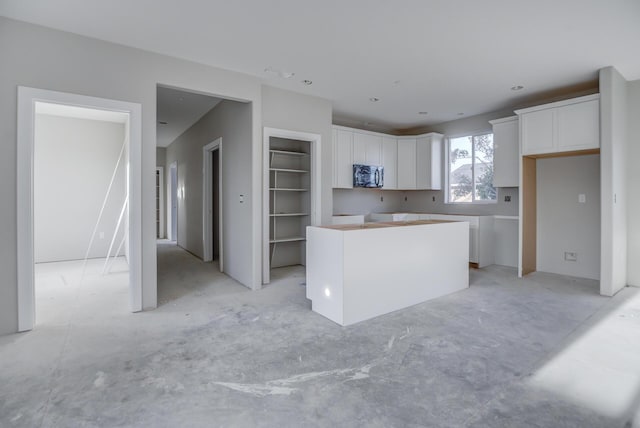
x: 366, y: 201
x: 231, y: 121
x: 564, y: 224
x: 48, y: 59
x: 633, y: 183
x: 161, y: 157
x: 614, y: 147
x: 295, y: 112
x: 74, y: 160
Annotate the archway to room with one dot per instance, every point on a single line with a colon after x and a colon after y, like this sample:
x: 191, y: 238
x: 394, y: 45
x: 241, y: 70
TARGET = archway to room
x: 200, y: 139
x: 78, y: 205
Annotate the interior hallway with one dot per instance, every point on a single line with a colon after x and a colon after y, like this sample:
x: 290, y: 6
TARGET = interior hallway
x: 217, y: 354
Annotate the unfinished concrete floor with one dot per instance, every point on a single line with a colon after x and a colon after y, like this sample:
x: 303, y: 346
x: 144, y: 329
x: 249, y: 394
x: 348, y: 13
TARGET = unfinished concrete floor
x: 215, y: 354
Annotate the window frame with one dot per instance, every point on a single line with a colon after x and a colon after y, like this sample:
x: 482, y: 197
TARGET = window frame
x: 447, y: 171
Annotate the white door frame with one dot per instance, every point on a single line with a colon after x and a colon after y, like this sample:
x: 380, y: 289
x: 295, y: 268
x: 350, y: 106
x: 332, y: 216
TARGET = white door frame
x: 27, y: 98
x: 171, y: 199
x: 160, y: 172
x: 207, y: 201
x: 315, y: 141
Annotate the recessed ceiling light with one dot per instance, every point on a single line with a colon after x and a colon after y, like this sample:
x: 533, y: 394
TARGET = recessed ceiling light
x: 162, y: 122
x: 423, y: 112
x: 517, y: 87
x: 374, y: 99
x: 307, y: 82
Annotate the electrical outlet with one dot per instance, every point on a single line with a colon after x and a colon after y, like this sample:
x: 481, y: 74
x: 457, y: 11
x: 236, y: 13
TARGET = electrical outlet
x: 582, y: 198
x: 101, y: 235
x: 241, y: 198
x: 507, y: 198
x: 570, y: 257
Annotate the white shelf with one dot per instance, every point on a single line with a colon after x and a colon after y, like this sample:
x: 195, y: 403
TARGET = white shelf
x: 299, y: 171
x: 282, y: 189
x: 288, y: 153
x: 290, y: 239
x: 289, y: 215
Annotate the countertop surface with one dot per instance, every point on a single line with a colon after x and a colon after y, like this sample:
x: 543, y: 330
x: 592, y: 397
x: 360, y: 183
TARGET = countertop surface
x: 383, y: 224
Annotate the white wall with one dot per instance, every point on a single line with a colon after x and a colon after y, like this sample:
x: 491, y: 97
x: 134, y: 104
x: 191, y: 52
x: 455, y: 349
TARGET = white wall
x: 565, y: 224
x: 230, y: 120
x: 366, y: 201
x: 422, y: 201
x: 296, y: 112
x: 74, y: 160
x: 613, y: 159
x: 48, y: 59
x: 633, y: 183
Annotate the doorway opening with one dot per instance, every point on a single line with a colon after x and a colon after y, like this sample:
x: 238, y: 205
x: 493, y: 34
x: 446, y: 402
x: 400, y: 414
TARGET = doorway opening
x: 173, y: 202
x: 79, y: 202
x: 212, y: 231
x: 208, y: 230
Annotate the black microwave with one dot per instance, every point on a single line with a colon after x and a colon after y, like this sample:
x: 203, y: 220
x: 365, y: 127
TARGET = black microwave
x: 368, y: 176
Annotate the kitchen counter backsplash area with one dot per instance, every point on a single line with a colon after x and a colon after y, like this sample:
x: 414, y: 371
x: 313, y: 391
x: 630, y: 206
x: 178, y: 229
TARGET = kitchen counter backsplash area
x: 365, y: 201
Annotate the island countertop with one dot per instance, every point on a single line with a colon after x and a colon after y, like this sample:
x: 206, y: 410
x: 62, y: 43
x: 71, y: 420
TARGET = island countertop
x: 359, y: 271
x: 383, y: 224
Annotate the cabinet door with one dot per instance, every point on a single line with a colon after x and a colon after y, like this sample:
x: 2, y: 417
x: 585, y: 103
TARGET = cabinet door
x: 342, y: 160
x: 537, y: 132
x: 428, y: 161
x: 367, y: 149
x: 406, y: 163
x: 506, y: 157
x: 390, y: 162
x: 423, y: 163
x: 578, y: 126
x: 334, y: 169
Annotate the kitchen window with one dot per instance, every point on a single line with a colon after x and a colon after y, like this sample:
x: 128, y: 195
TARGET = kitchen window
x: 470, y: 170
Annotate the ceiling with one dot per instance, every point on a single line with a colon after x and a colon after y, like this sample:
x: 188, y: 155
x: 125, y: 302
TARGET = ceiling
x: 446, y: 58
x: 177, y: 110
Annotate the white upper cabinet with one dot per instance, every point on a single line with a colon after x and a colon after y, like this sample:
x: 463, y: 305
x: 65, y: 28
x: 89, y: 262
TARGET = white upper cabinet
x: 367, y: 149
x: 428, y: 161
x: 409, y: 163
x: 579, y: 126
x: 406, y: 163
x: 390, y: 162
x: 342, y: 159
x: 506, y: 152
x: 563, y: 126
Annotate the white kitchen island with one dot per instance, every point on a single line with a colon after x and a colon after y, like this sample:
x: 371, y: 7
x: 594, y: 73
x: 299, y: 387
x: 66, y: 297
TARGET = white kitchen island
x: 357, y: 272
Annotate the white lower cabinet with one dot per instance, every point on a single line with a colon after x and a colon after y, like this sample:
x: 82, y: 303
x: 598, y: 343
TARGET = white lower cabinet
x: 480, y: 231
x: 480, y: 236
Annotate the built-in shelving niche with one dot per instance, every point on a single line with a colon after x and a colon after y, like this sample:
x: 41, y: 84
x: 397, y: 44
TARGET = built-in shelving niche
x: 289, y: 200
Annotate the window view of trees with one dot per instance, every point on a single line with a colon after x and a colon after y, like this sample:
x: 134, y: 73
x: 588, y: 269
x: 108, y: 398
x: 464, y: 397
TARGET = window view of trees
x: 471, y: 169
